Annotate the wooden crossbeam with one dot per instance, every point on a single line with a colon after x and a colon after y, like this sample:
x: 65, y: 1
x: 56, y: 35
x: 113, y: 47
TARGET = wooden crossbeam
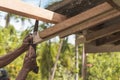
x: 112, y: 13
x: 114, y: 3
x: 108, y: 40
x: 37, y: 39
x: 103, y: 32
x: 99, y: 34
x: 117, y: 42
x: 59, y: 5
x: 23, y: 9
x: 91, y: 22
x: 76, y: 19
x: 91, y: 48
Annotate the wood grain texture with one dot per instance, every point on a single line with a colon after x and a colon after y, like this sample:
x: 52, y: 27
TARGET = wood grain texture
x: 103, y: 32
x: 23, y: 9
x: 91, y: 22
x: 91, y: 48
x: 108, y: 40
x: 76, y: 20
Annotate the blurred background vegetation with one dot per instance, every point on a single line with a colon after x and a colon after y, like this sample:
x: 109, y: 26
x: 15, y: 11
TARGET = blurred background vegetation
x: 103, y: 66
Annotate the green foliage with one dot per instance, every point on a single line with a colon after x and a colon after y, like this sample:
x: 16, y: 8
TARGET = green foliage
x: 8, y: 37
x: 45, y: 60
x: 105, y: 66
x: 9, y: 40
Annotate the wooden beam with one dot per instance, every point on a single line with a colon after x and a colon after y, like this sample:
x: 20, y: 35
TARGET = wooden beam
x: 76, y: 19
x: 81, y: 39
x: 103, y: 32
x: 23, y: 9
x: 108, y: 40
x: 37, y: 39
x: 114, y: 3
x: 91, y: 48
x: 117, y: 43
x: 84, y: 61
x: 91, y: 22
x: 59, y: 5
x: 99, y: 34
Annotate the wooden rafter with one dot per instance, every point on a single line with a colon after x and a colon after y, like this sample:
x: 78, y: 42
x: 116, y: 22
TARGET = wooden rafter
x: 114, y: 3
x: 76, y: 20
x: 91, y: 48
x: 117, y: 42
x: 59, y: 5
x: 107, y: 40
x: 54, y: 31
x: 91, y: 22
x: 99, y: 34
x: 103, y: 32
x: 23, y: 9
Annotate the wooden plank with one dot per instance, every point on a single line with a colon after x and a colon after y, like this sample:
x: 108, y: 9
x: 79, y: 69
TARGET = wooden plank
x: 103, y: 32
x: 81, y: 39
x: 91, y: 48
x: 59, y: 5
x: 91, y: 22
x: 37, y: 39
x: 97, y: 20
x: 117, y: 42
x: 76, y: 19
x: 23, y: 9
x: 108, y: 40
x: 114, y: 3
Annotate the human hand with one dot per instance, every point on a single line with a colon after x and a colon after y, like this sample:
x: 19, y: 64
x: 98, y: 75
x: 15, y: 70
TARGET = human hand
x: 27, y: 40
x: 30, y: 60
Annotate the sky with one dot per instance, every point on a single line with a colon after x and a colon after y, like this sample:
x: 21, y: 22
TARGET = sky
x: 20, y: 27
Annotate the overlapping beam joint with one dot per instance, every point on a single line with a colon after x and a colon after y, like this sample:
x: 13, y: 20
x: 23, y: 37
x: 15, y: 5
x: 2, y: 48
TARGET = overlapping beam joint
x: 81, y: 23
x: 64, y: 26
x: 90, y: 18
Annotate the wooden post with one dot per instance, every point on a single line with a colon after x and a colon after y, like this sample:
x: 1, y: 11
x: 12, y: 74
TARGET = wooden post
x: 76, y: 58
x: 84, y: 60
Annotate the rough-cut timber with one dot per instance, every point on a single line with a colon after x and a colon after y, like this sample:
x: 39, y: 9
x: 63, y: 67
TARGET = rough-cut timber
x: 91, y: 48
x: 59, y: 5
x: 76, y: 19
x: 108, y: 30
x: 91, y: 22
x: 23, y: 9
x: 114, y: 3
x: 109, y: 39
x: 71, y: 8
x: 103, y: 32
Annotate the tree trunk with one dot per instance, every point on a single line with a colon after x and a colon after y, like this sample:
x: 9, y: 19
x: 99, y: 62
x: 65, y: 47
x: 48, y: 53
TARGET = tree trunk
x: 7, y: 20
x: 57, y: 58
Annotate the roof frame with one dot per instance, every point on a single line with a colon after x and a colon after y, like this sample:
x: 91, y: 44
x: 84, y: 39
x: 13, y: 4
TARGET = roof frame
x: 106, y: 14
x: 71, y: 22
x: 108, y: 40
x: 103, y: 32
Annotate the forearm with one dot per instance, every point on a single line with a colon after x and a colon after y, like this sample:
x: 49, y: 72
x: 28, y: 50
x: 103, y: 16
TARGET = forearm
x: 22, y: 74
x: 6, y: 59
